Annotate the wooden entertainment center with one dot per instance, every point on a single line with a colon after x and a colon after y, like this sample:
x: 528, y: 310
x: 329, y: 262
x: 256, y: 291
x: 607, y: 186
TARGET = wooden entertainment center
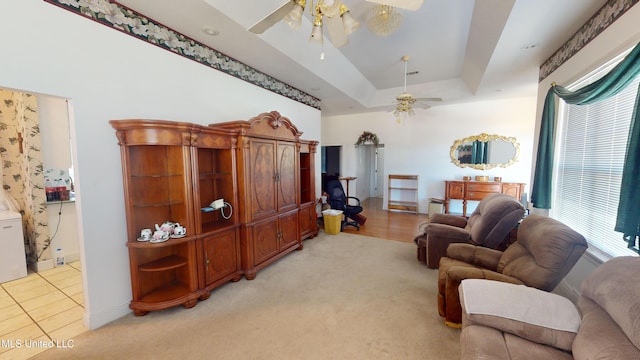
x: 172, y: 171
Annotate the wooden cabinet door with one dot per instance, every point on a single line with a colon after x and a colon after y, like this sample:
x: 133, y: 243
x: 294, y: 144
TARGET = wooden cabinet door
x: 455, y: 189
x: 289, y: 231
x: 512, y: 189
x: 221, y: 256
x: 287, y: 189
x: 308, y: 220
x: 263, y: 178
x: 265, y: 240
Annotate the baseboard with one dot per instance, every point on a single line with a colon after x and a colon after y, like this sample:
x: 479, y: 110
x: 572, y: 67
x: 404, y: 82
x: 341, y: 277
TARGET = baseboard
x: 72, y: 257
x: 94, y: 321
x: 49, y: 264
x: 42, y: 265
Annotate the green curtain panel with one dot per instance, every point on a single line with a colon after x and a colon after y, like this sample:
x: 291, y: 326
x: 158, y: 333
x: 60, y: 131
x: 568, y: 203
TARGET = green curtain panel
x: 609, y: 85
x: 628, y: 220
x: 541, y: 189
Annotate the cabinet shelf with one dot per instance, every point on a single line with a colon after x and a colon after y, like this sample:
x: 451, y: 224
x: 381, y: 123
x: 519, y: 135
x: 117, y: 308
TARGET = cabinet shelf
x: 208, y: 227
x: 158, y: 204
x: 149, y: 245
x: 213, y: 175
x: 400, y: 202
x: 156, y: 176
x: 166, y: 292
x: 166, y: 263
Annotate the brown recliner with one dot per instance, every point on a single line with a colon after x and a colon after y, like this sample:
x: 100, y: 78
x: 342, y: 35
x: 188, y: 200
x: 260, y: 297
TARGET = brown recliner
x: 488, y: 226
x: 542, y: 256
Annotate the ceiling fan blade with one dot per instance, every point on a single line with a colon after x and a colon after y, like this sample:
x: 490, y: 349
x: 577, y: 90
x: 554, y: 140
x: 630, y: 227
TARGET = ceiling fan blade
x: 412, y: 5
x: 422, y: 105
x: 335, y: 28
x: 271, y: 19
x: 429, y: 99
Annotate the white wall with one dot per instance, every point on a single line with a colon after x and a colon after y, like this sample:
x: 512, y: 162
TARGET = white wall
x: 109, y: 75
x: 621, y: 35
x: 421, y: 144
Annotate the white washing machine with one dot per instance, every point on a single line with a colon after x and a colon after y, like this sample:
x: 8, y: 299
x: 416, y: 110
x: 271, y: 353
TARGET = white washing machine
x: 13, y: 262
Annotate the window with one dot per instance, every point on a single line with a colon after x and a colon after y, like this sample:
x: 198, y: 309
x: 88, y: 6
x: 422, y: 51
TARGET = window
x: 591, y: 145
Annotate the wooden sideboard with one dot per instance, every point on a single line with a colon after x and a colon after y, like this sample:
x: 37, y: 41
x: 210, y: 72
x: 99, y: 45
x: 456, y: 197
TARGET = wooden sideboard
x: 477, y: 190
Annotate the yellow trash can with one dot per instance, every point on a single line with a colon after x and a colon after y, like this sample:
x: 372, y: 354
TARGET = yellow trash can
x: 332, y: 221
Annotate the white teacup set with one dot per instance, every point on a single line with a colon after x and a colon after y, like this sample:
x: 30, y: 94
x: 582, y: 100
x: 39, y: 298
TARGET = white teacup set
x: 163, y: 232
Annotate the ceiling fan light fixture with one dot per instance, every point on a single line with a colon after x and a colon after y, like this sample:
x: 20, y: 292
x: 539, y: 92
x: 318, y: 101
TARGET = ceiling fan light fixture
x: 350, y: 24
x: 384, y: 20
x: 405, y: 100
x: 316, y: 32
x: 403, y: 109
x: 294, y: 18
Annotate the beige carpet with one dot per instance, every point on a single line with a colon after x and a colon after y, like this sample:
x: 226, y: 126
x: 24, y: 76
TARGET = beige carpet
x: 342, y: 297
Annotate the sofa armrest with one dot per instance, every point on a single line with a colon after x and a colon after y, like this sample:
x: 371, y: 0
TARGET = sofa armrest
x: 451, y: 274
x: 475, y: 255
x: 423, y: 227
x: 439, y: 237
x: 456, y: 274
x: 451, y: 233
x: 448, y: 219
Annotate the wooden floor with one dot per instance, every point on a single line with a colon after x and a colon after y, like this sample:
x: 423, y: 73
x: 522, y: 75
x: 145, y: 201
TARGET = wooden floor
x: 392, y: 225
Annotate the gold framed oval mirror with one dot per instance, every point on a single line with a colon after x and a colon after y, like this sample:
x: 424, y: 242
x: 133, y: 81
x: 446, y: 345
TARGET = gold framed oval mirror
x: 484, y: 151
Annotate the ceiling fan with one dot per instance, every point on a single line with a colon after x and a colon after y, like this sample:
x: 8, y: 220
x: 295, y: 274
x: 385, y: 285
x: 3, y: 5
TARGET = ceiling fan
x: 332, y: 13
x: 405, y: 101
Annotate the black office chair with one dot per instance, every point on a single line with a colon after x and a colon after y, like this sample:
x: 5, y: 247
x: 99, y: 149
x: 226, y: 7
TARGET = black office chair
x: 340, y: 201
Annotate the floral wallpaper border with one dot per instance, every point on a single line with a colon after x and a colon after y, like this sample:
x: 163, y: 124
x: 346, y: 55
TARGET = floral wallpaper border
x: 606, y: 16
x: 123, y: 19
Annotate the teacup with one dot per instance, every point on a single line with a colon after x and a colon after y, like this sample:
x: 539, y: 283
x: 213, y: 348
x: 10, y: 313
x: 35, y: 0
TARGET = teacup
x: 179, y: 230
x: 160, y: 235
x: 145, y: 234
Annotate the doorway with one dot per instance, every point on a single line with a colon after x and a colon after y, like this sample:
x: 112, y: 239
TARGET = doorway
x: 51, y: 222
x: 330, y: 160
x: 370, y: 171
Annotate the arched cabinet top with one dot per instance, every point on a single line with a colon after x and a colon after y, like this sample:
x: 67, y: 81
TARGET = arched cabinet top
x: 268, y: 124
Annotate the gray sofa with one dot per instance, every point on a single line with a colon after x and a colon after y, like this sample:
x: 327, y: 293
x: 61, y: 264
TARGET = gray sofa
x: 509, y: 321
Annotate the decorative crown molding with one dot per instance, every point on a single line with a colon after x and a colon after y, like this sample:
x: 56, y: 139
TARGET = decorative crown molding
x: 130, y: 22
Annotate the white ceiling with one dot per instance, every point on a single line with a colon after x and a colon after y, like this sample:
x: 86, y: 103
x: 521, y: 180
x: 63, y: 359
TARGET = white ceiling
x: 463, y: 50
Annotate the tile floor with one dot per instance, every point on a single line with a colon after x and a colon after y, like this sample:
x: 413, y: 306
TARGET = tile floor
x: 41, y: 310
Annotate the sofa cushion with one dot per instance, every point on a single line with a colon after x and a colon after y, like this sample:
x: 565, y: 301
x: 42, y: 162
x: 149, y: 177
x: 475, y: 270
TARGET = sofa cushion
x: 527, y: 312
x: 614, y: 286
x: 495, y: 216
x: 481, y: 342
x: 544, y: 253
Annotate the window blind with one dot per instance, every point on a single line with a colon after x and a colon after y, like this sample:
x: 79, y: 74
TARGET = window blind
x: 591, y: 143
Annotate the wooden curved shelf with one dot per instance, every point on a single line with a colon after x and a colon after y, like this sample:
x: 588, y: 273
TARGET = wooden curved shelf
x: 148, y: 244
x: 165, y: 263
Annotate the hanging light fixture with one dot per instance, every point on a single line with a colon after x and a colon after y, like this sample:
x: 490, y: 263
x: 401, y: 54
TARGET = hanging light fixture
x: 316, y: 32
x: 294, y: 18
x: 323, y: 8
x: 405, y: 100
x: 384, y: 20
x: 350, y: 24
